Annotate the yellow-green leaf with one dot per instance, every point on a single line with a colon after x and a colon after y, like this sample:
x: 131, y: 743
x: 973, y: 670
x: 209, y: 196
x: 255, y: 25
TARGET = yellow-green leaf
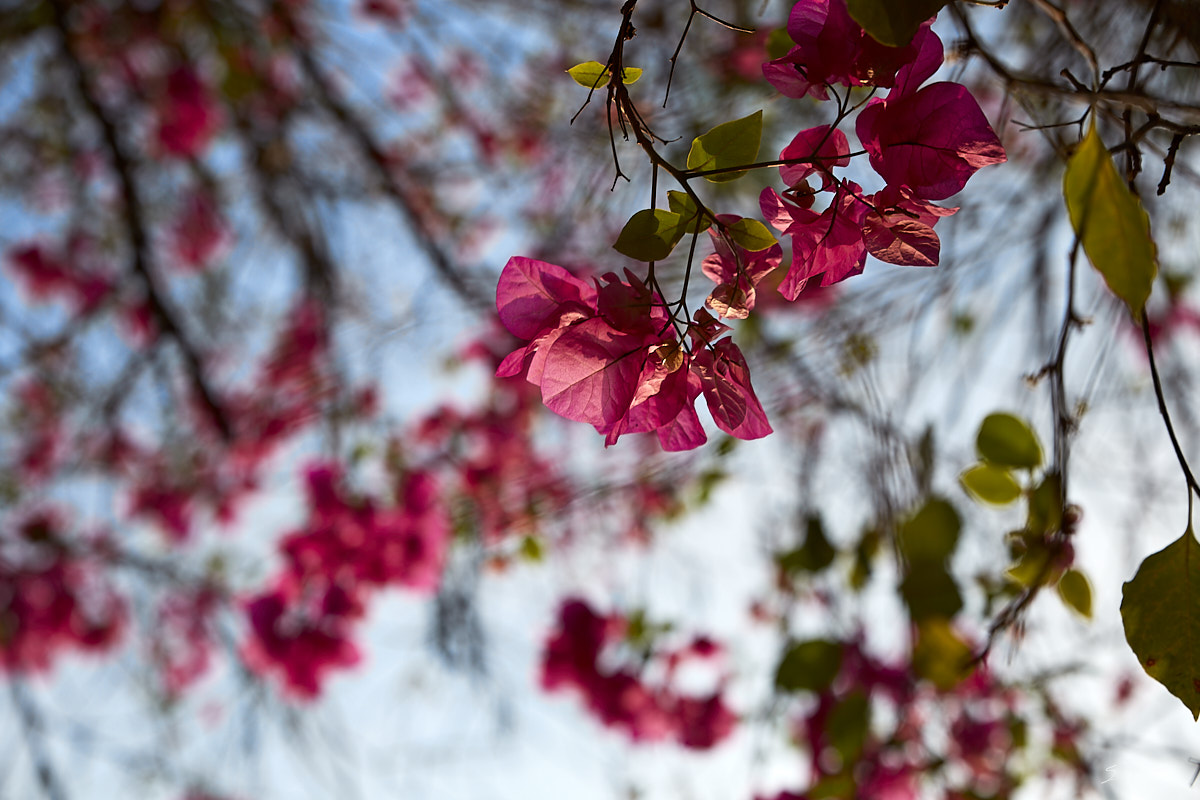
x: 729, y: 144
x: 681, y: 203
x: 1076, y: 592
x: 649, y: 235
x: 1006, y: 441
x: 751, y: 234
x: 593, y: 74
x: 1110, y: 222
x: 940, y: 656
x: 1161, y: 611
x: 991, y: 484
x: 893, y: 22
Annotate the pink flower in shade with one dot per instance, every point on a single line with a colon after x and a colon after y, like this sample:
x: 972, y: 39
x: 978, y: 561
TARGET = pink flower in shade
x: 198, y: 234
x: 831, y: 48
x: 301, y: 632
x: 181, y: 645
x: 189, y: 116
x: 619, y: 698
x: 52, y: 601
x: 170, y: 507
x: 49, y: 276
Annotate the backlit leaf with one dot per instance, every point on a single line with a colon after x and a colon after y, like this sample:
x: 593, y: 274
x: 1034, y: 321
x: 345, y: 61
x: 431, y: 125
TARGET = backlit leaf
x: 751, y: 234
x: 1161, y: 611
x: 680, y: 203
x: 729, y: 144
x: 893, y: 22
x: 593, y: 74
x: 1006, y: 441
x: 649, y: 235
x: 1076, y: 592
x: 940, y: 656
x: 991, y: 484
x: 1110, y: 222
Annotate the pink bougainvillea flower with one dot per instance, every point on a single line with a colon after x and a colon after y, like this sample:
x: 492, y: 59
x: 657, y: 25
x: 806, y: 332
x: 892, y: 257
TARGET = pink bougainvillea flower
x: 929, y: 142
x: 831, y: 48
x: 829, y: 244
x: 737, y: 272
x: 824, y: 147
x: 54, y: 600
x: 51, y: 276
x: 899, y: 228
x: 610, y: 357
x: 188, y: 115
x: 575, y: 659
x: 302, y: 632
x: 198, y: 234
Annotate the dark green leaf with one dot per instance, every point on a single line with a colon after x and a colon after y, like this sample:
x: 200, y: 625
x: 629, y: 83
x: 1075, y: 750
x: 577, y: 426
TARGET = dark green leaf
x: 809, y: 666
x: 730, y: 144
x: 893, y: 22
x: 1006, y: 441
x: 848, y: 725
x: 930, y: 591
x: 1161, y: 611
x: 931, y: 534
x: 649, y: 235
x: 814, y: 555
x: 1110, y: 222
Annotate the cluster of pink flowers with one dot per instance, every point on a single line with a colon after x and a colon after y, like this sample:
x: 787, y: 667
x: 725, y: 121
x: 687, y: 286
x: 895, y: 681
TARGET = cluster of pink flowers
x: 52, y: 599
x: 577, y: 657
x: 615, y: 356
x: 608, y: 355
x: 303, y: 626
x: 925, y: 142
x: 980, y: 718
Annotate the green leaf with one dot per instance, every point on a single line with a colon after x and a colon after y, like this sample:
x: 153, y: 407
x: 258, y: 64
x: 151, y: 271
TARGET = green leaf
x: 1110, y: 222
x: 848, y: 724
x: 649, y: 235
x: 1076, y: 592
x: 931, y: 534
x: 593, y: 74
x: 893, y: 22
x: 779, y: 43
x: 681, y: 203
x: 532, y: 549
x: 1006, y: 441
x: 751, y: 234
x: 930, y: 591
x: 1034, y: 565
x: 939, y: 656
x: 991, y: 484
x: 1161, y: 611
x: 809, y: 666
x: 730, y: 144
x: 1045, y: 505
x: 814, y: 555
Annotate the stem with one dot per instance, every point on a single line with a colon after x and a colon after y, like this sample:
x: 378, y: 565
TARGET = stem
x: 1193, y: 486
